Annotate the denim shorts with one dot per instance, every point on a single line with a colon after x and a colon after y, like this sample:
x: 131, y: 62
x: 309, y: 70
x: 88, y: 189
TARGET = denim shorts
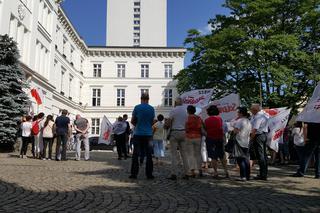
x: 215, y: 148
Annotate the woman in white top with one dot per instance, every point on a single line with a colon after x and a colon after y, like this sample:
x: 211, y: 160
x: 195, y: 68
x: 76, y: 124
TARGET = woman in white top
x: 47, y: 136
x: 158, y: 137
x: 242, y: 129
x: 298, y: 141
x: 26, y: 136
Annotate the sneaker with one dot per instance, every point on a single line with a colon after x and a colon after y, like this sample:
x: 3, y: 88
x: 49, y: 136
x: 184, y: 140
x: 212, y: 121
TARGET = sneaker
x: 297, y: 175
x: 20, y: 156
x: 25, y: 157
x: 44, y: 159
x: 260, y: 178
x: 172, y: 177
x: 133, y: 176
x: 150, y: 177
x: 49, y: 159
x: 77, y: 159
x: 242, y: 179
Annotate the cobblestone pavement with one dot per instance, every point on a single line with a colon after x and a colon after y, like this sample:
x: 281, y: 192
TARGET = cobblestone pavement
x: 102, y: 185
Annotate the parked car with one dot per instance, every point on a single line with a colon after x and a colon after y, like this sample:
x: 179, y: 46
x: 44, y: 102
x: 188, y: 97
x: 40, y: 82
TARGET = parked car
x: 93, y: 141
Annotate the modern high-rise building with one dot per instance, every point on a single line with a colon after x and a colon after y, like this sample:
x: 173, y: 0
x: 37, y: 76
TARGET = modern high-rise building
x: 137, y: 23
x: 94, y: 81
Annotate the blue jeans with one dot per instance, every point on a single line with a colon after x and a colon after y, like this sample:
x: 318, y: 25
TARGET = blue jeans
x: 61, y: 140
x: 310, y: 149
x: 142, y: 144
x: 158, y: 149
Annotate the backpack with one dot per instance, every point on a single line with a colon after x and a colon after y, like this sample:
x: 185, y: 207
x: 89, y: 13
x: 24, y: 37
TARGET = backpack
x: 35, y: 128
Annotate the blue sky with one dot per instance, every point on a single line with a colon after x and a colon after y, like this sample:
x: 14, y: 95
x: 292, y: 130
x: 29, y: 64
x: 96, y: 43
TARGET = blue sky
x: 89, y: 18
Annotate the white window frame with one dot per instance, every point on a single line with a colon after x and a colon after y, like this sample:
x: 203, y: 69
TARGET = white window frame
x: 96, y: 97
x: 145, y: 70
x: 95, y: 126
x: 168, y: 70
x: 97, y: 70
x: 168, y: 97
x: 121, y: 70
x: 121, y: 97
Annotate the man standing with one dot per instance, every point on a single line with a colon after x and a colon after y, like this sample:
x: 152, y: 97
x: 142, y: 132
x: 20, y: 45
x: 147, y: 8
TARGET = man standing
x: 311, y: 147
x: 259, y: 132
x: 127, y: 133
x: 177, y: 120
x: 81, y: 126
x: 62, y: 125
x: 119, y: 131
x: 142, y: 118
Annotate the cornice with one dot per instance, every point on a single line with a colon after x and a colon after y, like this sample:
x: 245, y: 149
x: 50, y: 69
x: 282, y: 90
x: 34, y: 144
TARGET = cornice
x: 64, y: 20
x: 136, y: 52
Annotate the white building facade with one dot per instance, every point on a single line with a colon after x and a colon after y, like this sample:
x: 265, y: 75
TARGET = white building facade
x: 91, y: 81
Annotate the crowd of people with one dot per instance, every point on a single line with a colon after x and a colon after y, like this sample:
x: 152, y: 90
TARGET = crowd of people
x: 188, y: 134
x: 40, y: 131
x: 193, y: 140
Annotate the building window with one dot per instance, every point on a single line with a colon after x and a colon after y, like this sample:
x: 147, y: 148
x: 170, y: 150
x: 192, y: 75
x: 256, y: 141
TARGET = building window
x: 144, y: 91
x: 136, y: 15
x: 95, y: 126
x: 136, y: 22
x: 120, y: 97
x: 64, y: 45
x: 136, y: 28
x: 96, y: 97
x: 136, y: 34
x: 70, y: 85
x: 137, y: 4
x: 97, y: 70
x: 168, y: 70
x: 136, y: 9
x: 136, y: 41
x: 168, y: 97
x: 63, y: 71
x: 121, y: 70
x: 71, y: 52
x: 144, y: 70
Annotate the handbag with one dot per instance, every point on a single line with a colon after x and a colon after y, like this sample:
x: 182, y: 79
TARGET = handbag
x: 237, y: 151
x: 231, y: 143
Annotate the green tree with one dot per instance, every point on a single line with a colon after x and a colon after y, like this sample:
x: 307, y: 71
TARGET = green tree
x: 13, y: 100
x: 270, y: 47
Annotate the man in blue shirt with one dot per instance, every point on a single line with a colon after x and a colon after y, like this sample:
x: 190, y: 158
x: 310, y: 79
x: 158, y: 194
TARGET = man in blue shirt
x: 142, y: 118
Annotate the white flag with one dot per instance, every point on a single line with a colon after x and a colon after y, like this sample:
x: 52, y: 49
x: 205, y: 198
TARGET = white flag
x: 198, y: 98
x: 227, y: 107
x: 106, y: 131
x: 278, y: 119
x: 311, y: 112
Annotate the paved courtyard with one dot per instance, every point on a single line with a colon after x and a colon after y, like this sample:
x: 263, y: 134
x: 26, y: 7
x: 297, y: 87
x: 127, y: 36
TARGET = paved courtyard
x: 102, y: 185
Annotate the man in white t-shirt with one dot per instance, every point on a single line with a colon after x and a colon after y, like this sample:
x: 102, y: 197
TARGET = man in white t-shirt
x: 259, y: 132
x: 177, y: 119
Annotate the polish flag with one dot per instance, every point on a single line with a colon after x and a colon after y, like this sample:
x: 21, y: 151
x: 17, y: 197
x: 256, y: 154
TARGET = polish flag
x: 35, y: 93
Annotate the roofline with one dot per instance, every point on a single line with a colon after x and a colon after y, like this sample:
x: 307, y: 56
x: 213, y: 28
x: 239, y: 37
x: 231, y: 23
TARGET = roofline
x: 132, y: 47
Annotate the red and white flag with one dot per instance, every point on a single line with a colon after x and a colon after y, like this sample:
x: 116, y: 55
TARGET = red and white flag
x: 36, y: 94
x: 106, y: 131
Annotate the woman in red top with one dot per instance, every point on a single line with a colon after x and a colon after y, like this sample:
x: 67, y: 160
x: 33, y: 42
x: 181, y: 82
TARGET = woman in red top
x: 194, y: 130
x: 215, y: 139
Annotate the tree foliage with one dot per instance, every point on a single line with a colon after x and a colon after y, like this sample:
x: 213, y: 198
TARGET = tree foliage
x: 13, y: 100
x: 269, y: 46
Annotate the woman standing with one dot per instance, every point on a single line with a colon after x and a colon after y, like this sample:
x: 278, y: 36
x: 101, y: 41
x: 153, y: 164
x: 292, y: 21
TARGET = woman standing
x: 158, y: 136
x: 119, y: 130
x: 26, y: 136
x: 47, y: 135
x: 215, y: 140
x: 242, y: 129
x: 194, y: 130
